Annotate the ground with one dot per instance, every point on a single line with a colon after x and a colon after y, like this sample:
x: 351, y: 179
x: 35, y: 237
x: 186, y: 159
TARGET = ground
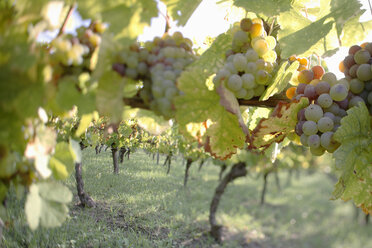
x: 145, y: 207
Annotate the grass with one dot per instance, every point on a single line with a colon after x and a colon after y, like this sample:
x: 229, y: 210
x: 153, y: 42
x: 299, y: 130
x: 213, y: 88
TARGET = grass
x: 145, y: 207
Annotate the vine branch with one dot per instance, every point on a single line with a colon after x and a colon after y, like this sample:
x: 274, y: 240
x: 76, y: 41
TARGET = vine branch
x: 68, y: 15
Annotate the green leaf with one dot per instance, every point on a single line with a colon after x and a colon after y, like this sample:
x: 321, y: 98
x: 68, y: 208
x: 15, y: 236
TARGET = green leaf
x: 127, y: 18
x: 75, y: 151
x: 67, y: 94
x: 302, y: 36
x: 354, y: 158
x: 84, y: 124
x: 109, y: 97
x: 281, y: 122
x: 46, y: 204
x: 62, y: 162
x: 281, y: 80
x: 267, y: 8
x: 181, y: 10
x: 148, y: 120
x: 355, y: 31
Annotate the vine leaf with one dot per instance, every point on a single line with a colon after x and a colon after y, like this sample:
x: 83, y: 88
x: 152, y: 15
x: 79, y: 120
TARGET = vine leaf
x: 302, y: 36
x: 46, y: 204
x: 181, y: 10
x: 281, y: 122
x: 62, y: 162
x: 281, y: 80
x: 354, y: 158
x: 127, y: 19
x: 267, y: 8
x: 199, y: 111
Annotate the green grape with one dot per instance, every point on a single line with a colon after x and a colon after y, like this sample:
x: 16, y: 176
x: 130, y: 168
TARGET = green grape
x: 325, y: 100
x: 364, y: 72
x: 334, y: 109
x: 260, y: 45
x: 270, y: 56
x: 271, y: 41
x: 261, y: 64
x: 262, y: 77
x: 171, y: 92
x: 304, y: 139
x: 240, y: 62
x: 241, y: 93
x: 345, y: 82
x: 234, y: 82
x: 355, y: 101
x: 313, y: 141
x: 369, y: 98
x: 251, y: 55
x: 259, y: 90
x: 249, y: 95
x: 313, y: 112
x: 330, y: 78
x: 310, y: 128
x: 325, y: 124
x: 362, y: 56
x: 248, y: 81
x: 251, y: 67
x: 338, y: 92
x: 318, y: 151
x: 240, y: 37
x: 356, y: 86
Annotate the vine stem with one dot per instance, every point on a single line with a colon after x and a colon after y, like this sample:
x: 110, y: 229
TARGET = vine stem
x: 68, y: 15
x: 370, y: 7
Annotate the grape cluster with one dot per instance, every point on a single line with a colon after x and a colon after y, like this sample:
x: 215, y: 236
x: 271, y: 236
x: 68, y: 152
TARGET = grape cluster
x: 358, y: 71
x: 157, y: 64
x: 251, y: 62
x: 69, y: 50
x: 329, y: 99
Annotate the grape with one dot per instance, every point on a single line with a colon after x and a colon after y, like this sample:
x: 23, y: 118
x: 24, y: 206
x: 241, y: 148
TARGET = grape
x: 240, y: 62
x: 343, y: 104
x: 318, y: 71
x: 310, y: 128
x: 341, y: 66
x: 298, y: 128
x: 248, y: 81
x: 249, y: 95
x: 171, y: 92
x: 305, y: 76
x: 338, y: 92
x: 334, y: 109
x: 256, y: 30
x: 303, y: 139
x: 368, y: 85
x: 231, y: 68
x: 235, y: 82
x: 240, y: 37
x: 355, y: 101
x: 325, y: 100
x: 330, y: 78
x: 329, y: 115
x: 349, y: 61
x: 301, y: 88
x: 353, y: 70
x: 342, y: 113
x: 325, y: 124
x: 259, y: 90
x: 261, y: 64
x: 251, y: 67
x: 317, y: 151
x: 245, y: 24
x: 271, y: 41
x: 241, y: 93
x: 301, y: 115
x: 310, y: 92
x: 119, y: 68
x: 260, y: 45
x: 270, y: 56
x: 369, y: 98
x: 356, y: 86
x: 290, y: 92
x: 362, y: 56
x: 353, y: 49
x: 314, y: 82
x: 322, y: 87
x: 313, y: 141
x: 262, y: 77
x: 364, y: 72
x: 251, y: 55
x: 313, y: 112
x: 337, y: 120
x: 345, y: 82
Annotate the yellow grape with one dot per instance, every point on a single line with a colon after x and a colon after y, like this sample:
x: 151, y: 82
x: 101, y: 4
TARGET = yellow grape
x: 260, y: 45
x: 271, y: 41
x: 256, y: 30
x: 270, y: 56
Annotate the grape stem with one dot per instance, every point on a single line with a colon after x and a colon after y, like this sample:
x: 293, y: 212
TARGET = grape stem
x: 68, y: 15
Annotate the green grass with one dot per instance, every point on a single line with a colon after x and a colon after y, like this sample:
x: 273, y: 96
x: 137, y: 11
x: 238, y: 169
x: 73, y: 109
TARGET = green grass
x: 145, y: 207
